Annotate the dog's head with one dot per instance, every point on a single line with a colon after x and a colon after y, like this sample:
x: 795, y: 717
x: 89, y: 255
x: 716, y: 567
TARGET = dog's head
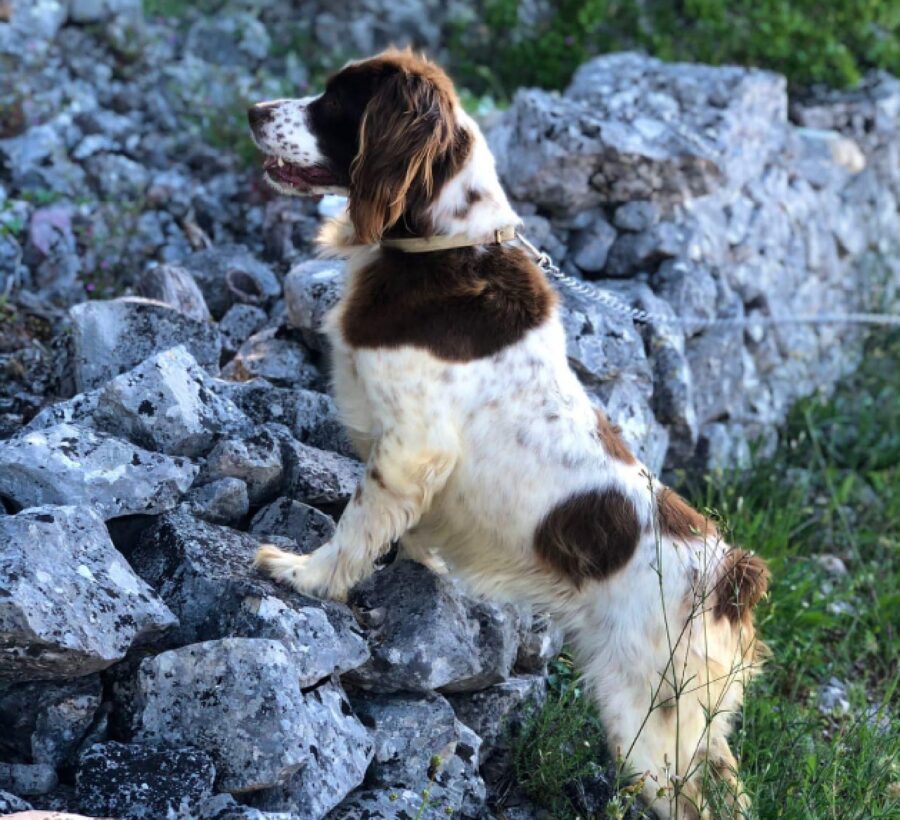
x: 386, y: 132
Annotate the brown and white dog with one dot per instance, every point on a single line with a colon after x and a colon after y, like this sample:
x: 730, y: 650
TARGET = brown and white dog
x: 484, y: 454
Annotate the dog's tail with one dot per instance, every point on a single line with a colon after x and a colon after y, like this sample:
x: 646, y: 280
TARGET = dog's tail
x: 743, y: 579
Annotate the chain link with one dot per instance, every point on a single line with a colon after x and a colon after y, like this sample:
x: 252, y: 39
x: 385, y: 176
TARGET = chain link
x: 617, y: 305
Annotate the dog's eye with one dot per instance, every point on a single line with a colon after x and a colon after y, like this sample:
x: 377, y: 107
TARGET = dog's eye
x: 331, y: 103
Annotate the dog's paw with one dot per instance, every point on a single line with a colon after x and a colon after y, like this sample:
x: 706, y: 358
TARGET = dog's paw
x: 307, y: 574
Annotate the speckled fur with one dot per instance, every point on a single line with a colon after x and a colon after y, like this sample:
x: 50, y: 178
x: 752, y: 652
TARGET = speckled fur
x: 466, y: 459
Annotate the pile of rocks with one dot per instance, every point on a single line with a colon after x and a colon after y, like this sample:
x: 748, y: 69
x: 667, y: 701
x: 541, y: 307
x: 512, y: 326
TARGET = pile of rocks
x: 150, y: 672
x: 157, y: 438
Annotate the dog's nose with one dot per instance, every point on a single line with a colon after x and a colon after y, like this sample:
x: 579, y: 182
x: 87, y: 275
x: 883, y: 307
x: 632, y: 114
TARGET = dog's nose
x: 259, y: 114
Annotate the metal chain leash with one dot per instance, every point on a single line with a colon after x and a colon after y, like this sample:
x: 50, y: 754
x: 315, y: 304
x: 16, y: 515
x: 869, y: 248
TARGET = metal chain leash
x: 616, y: 305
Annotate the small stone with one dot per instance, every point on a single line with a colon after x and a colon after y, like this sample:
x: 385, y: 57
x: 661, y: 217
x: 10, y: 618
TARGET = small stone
x: 256, y: 460
x: 308, y: 527
x: 540, y: 641
x: 636, y: 216
x: 72, y: 605
x: 175, y: 287
x: 318, y: 477
x: 27, y: 779
x: 47, y: 721
x: 590, y: 247
x: 272, y: 354
x: 10, y: 804
x: 66, y: 464
x: 832, y: 564
x: 230, y: 273
x: 311, y: 289
x: 833, y: 698
x: 224, y: 501
x: 141, y: 781
x: 238, y: 324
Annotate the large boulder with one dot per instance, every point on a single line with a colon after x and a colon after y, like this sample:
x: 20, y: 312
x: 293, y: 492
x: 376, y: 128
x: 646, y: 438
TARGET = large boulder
x: 204, y: 573
x: 69, y: 602
x: 135, y: 780
x: 237, y: 699
x: 425, y: 634
x: 65, y: 464
x: 342, y: 751
x: 114, y: 336
x: 165, y: 404
x: 421, y: 746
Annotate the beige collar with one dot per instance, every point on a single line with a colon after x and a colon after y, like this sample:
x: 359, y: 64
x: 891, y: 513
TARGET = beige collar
x: 425, y: 244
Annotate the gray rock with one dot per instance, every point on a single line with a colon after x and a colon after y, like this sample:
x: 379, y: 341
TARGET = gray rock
x: 311, y: 416
x: 238, y: 700
x: 382, y: 804
x: 27, y: 779
x: 256, y: 460
x: 117, y: 176
x: 225, y: 807
x: 307, y: 526
x: 238, y: 39
x: 9, y: 803
x: 408, y: 732
x: 274, y: 355
x: 71, y: 604
x: 47, y: 721
x: 316, y: 476
x: 165, y: 404
x: 238, y: 324
x: 643, y: 251
x: 224, y: 501
x: 540, y: 641
x: 66, y: 464
x: 230, y: 273
x: 204, y: 574
x: 834, y: 698
x: 341, y: 753
x: 112, y: 337
x: 175, y: 287
x: 311, y: 289
x: 602, y: 345
x: 142, y: 781
x: 636, y: 216
x: 97, y: 11
x: 716, y: 369
x: 496, y: 714
x: 591, y: 247
x: 426, y: 635
x: 420, y: 746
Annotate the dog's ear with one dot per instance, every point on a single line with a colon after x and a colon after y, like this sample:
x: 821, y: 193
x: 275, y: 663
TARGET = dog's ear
x: 407, y: 126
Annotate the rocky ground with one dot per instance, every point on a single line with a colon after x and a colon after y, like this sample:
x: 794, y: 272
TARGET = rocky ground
x: 163, y: 404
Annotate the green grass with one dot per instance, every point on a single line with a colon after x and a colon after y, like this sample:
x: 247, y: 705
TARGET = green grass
x: 832, y: 488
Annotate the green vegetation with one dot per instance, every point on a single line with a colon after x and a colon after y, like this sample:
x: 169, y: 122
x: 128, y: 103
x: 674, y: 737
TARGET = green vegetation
x: 807, y: 40
x: 833, y: 488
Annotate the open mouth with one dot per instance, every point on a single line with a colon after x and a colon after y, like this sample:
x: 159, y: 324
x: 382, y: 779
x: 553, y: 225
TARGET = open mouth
x: 300, y: 179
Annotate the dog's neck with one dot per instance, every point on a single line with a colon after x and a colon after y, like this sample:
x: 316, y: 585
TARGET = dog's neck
x: 473, y: 202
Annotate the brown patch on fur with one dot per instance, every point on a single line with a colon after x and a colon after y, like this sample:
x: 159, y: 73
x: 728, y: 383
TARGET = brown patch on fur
x: 680, y: 520
x: 611, y: 436
x: 377, y: 478
x: 743, y: 580
x: 410, y: 145
x: 589, y: 536
x: 460, y: 304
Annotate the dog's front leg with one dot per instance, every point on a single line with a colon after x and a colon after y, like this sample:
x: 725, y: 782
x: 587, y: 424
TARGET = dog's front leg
x: 404, y: 472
